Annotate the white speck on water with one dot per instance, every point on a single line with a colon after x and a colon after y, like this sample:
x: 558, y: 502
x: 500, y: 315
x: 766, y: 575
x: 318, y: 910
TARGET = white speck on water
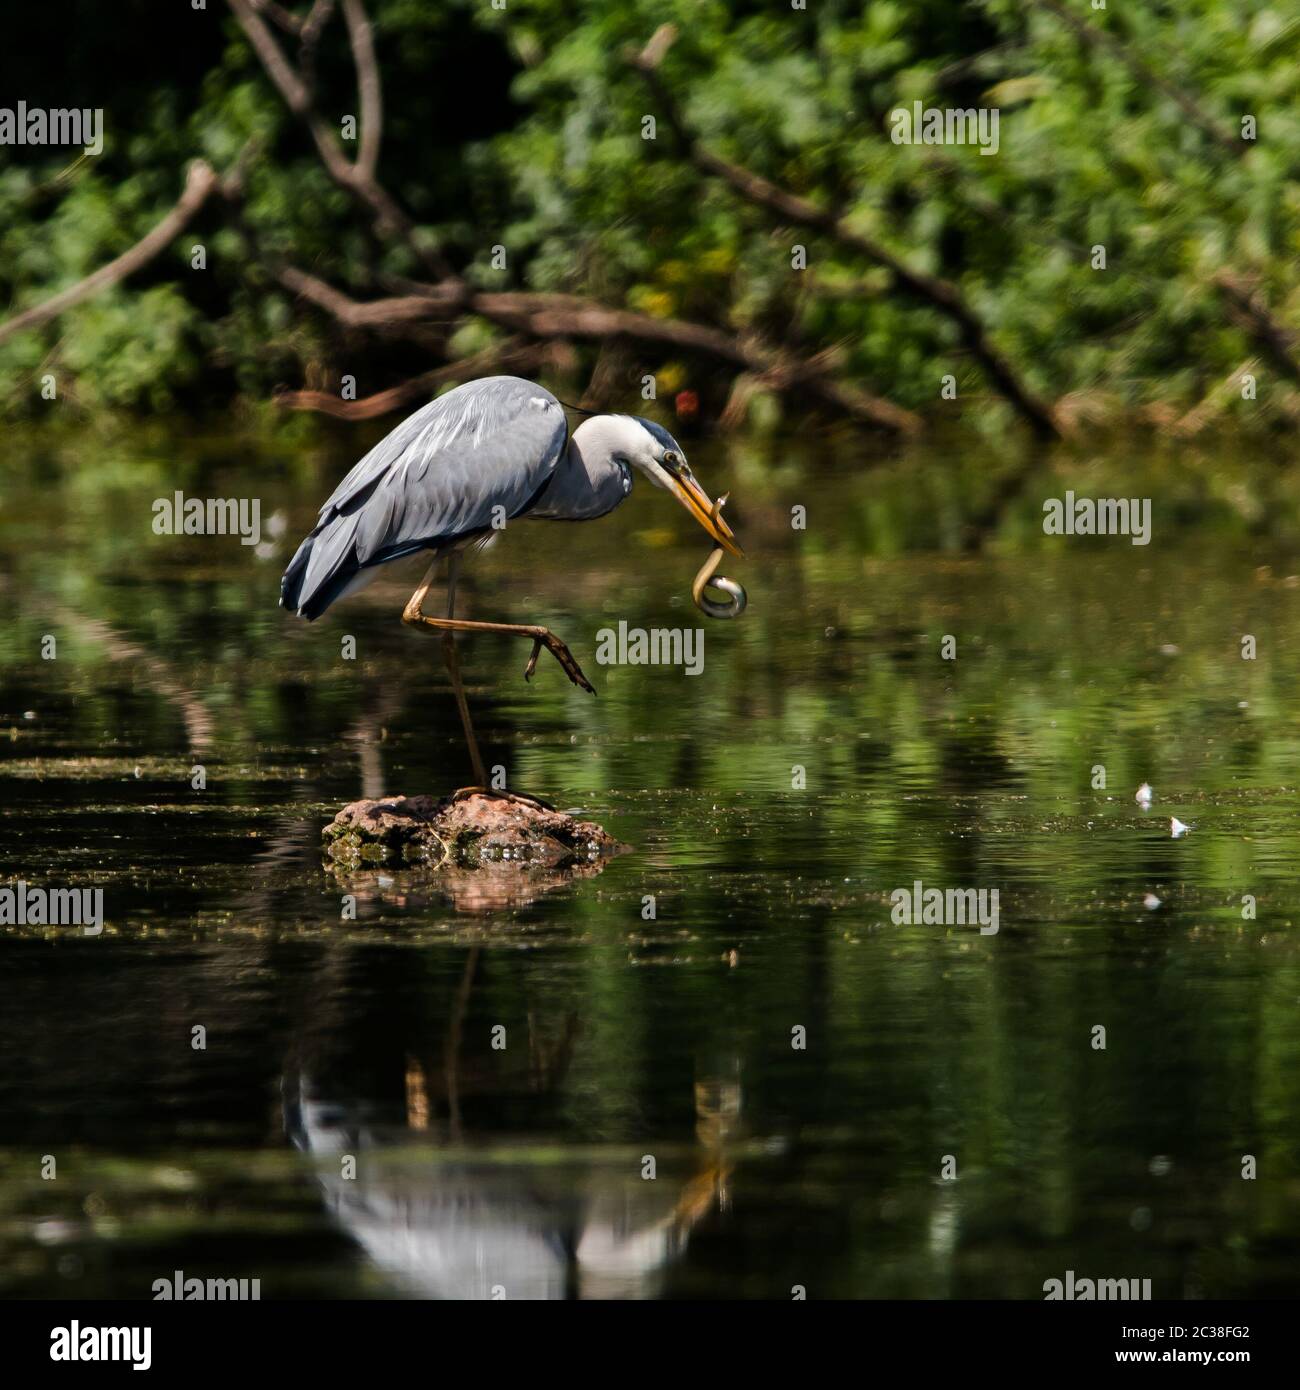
x: 1150, y: 902
x: 1176, y: 828
x: 1143, y: 795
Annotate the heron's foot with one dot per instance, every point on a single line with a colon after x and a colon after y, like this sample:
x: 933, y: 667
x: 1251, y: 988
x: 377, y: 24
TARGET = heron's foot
x: 544, y: 637
x: 464, y: 793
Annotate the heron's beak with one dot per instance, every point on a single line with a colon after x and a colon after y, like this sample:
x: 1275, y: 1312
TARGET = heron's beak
x: 696, y: 501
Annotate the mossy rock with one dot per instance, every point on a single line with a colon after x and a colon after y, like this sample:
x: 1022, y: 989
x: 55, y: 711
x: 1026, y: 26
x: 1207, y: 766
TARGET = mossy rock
x: 464, y: 830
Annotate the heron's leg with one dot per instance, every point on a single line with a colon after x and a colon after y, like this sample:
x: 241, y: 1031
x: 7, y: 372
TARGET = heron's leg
x: 541, y: 636
x: 452, y: 658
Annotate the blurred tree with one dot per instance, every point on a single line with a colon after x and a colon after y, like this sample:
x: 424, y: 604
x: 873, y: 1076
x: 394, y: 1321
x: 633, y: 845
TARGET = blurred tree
x: 1128, y: 249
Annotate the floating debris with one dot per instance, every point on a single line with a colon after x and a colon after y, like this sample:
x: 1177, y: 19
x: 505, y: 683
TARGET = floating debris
x: 1144, y: 795
x: 1176, y: 828
x: 1150, y: 902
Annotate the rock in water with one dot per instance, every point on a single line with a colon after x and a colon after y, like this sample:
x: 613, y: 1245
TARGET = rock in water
x: 462, y: 831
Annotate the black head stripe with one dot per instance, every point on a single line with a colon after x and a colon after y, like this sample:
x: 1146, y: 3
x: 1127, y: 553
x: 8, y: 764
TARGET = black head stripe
x: 660, y: 435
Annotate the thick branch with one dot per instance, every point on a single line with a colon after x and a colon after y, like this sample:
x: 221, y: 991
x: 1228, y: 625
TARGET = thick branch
x: 754, y: 188
x: 377, y: 314
x: 200, y: 182
x: 514, y: 355
x: 567, y: 316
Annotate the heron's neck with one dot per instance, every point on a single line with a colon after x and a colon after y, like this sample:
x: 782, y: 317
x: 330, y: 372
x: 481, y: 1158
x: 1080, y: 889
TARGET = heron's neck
x: 587, y: 482
x: 595, y: 442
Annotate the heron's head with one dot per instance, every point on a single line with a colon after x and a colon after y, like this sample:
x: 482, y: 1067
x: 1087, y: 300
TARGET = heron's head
x: 649, y: 447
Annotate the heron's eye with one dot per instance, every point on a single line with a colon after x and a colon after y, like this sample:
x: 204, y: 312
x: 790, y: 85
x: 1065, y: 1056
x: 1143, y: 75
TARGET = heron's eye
x: 670, y: 459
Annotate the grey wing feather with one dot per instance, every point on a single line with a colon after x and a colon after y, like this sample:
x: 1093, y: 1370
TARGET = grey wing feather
x: 438, y: 476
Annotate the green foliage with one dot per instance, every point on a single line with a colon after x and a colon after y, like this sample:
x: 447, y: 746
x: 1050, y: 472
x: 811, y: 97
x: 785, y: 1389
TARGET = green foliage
x: 524, y: 127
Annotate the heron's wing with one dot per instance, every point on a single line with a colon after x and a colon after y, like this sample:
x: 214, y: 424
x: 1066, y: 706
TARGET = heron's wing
x: 488, y: 444
x: 468, y: 461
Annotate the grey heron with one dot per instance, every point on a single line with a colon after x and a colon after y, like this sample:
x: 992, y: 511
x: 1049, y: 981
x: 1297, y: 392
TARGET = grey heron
x: 485, y: 454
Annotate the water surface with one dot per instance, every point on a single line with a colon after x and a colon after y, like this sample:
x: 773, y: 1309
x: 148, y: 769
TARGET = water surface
x: 826, y: 755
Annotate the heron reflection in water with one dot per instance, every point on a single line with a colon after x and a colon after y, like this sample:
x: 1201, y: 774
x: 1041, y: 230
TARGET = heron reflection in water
x: 450, y: 1209
x: 461, y: 1227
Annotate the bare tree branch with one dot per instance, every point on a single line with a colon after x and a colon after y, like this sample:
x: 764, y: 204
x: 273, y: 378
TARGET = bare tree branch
x: 286, y: 19
x: 369, y: 88
x: 377, y: 314
x: 286, y: 80
x: 550, y: 316
x: 359, y: 180
x: 754, y: 188
x: 513, y: 354
x: 312, y: 27
x: 200, y: 182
